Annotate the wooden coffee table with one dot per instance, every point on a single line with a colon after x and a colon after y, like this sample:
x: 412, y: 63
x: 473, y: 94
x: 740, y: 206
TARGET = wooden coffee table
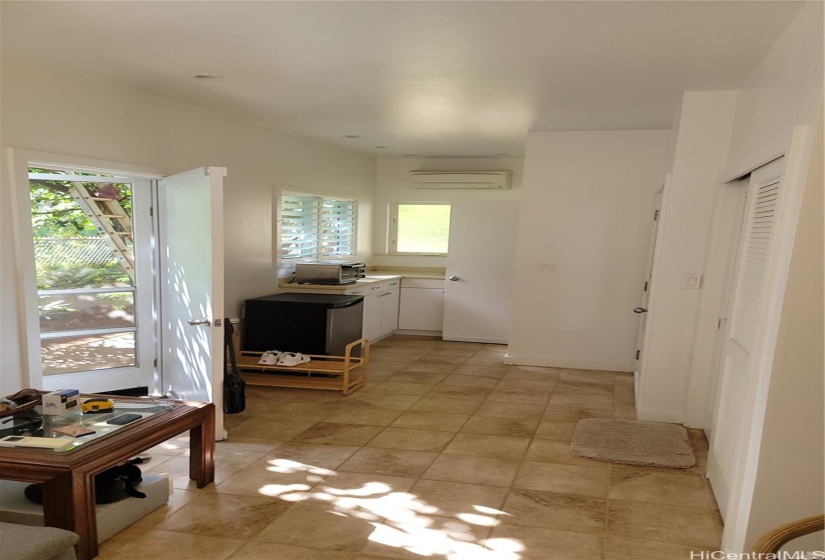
x: 68, y: 477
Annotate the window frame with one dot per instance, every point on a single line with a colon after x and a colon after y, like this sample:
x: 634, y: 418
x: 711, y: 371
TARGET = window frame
x: 318, y: 254
x: 393, y: 229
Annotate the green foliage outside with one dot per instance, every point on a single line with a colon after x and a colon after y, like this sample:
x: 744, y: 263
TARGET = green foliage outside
x: 423, y: 228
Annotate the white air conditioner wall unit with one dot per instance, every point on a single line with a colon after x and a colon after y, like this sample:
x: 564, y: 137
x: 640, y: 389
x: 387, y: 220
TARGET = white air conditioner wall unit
x: 460, y: 179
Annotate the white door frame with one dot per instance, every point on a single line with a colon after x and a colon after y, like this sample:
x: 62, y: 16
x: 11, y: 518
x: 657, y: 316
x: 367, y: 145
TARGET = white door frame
x: 741, y: 493
x: 29, y: 325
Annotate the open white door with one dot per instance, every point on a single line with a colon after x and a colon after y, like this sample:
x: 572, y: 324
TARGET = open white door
x: 480, y: 271
x: 190, y: 232
x: 648, y: 283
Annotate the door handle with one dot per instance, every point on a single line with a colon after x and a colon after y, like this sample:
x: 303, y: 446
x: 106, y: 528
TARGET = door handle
x: 640, y: 310
x: 206, y: 322
x: 454, y: 278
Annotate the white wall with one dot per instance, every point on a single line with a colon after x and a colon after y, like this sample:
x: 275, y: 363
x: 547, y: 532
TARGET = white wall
x: 53, y: 109
x: 587, y: 204
x: 393, y: 184
x: 687, y: 210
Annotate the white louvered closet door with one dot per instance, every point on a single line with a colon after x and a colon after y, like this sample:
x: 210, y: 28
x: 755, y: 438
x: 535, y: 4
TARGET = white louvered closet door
x: 737, y: 377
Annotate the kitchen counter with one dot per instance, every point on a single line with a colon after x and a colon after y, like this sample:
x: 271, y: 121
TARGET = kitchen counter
x: 371, y: 278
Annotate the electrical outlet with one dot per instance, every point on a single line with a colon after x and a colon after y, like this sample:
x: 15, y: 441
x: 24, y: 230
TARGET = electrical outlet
x: 547, y: 267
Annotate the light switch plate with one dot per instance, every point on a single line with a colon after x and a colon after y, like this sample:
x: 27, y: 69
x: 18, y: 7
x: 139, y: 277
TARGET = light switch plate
x: 547, y: 267
x: 692, y: 281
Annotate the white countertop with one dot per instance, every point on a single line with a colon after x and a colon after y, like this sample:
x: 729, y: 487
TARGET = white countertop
x: 371, y: 278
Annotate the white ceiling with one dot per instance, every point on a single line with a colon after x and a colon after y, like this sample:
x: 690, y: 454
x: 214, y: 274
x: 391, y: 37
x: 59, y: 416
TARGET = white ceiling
x: 426, y: 78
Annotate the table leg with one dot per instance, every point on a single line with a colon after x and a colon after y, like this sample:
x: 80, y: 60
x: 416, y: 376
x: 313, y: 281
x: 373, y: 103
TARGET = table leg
x: 69, y: 503
x: 202, y: 452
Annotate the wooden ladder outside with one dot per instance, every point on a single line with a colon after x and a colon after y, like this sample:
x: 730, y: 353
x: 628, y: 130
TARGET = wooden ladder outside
x: 111, y: 220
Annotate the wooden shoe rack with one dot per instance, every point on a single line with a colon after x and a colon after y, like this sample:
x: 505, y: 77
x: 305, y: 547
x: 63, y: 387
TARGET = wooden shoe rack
x: 345, y: 373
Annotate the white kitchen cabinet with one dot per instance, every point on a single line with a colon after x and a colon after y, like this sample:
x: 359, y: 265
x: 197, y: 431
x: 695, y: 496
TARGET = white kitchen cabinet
x: 422, y: 304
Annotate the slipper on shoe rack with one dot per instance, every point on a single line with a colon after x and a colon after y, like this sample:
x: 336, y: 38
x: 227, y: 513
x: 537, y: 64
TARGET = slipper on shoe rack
x: 292, y: 359
x: 270, y: 358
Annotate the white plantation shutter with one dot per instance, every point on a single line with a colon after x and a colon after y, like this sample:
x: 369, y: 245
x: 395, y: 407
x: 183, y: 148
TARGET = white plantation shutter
x: 314, y: 226
x: 754, y: 267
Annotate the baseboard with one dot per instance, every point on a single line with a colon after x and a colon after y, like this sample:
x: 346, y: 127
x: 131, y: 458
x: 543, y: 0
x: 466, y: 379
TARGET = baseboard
x: 473, y: 339
x: 659, y: 415
x: 543, y: 361
x: 417, y: 333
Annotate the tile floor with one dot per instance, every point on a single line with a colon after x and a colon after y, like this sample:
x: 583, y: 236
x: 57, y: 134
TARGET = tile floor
x: 446, y: 454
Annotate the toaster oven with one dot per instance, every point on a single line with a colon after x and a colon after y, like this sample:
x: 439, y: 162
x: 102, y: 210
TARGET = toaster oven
x: 328, y: 272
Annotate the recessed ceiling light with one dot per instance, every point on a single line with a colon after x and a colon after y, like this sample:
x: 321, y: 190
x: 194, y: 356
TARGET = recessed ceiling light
x: 350, y: 136
x: 208, y: 77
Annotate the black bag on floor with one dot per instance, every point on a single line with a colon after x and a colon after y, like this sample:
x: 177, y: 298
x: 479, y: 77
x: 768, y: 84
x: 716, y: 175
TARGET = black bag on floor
x: 112, y: 485
x: 234, y: 388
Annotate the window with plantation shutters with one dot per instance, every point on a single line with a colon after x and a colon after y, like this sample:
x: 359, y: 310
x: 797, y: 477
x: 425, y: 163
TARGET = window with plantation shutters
x: 315, y: 227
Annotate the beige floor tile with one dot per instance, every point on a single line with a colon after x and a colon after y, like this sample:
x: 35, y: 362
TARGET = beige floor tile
x: 562, y: 431
x: 587, y: 376
x: 156, y: 544
x: 581, y: 401
x: 518, y: 427
x: 473, y: 470
x: 470, y: 381
x: 380, y: 374
x: 390, y: 401
x: 449, y: 406
x: 367, y: 416
x: 177, y: 469
x: 624, y: 393
x: 533, y: 385
x: 309, y: 411
x: 273, y: 551
x: 325, y: 456
x: 484, y: 371
x: 563, y: 512
x: 483, y: 359
x: 418, y: 377
x: 544, y: 544
x: 431, y: 421
x: 275, y: 429
x: 398, y: 388
x: 618, y: 548
x: 553, y: 451
x: 437, y: 538
x: 243, y: 450
x: 574, y: 414
x: 412, y: 440
x: 322, y: 525
x: 662, y: 486
x: 340, y: 486
x: 389, y: 462
x: 582, y: 388
x: 534, y: 372
x: 453, y: 392
x: 462, y: 352
x: 585, y: 480
x: 341, y: 434
x: 676, y: 524
x: 452, y: 359
x: 624, y: 411
x: 469, y: 501
x: 456, y: 344
x: 397, y: 352
x: 224, y: 515
x: 276, y: 478
x: 430, y: 367
x: 503, y: 447
x: 509, y: 410
x: 170, y: 447
x: 519, y: 396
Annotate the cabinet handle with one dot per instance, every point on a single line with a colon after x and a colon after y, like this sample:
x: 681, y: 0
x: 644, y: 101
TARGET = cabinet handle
x: 377, y: 287
x: 357, y: 293
x: 394, y: 284
x: 382, y: 295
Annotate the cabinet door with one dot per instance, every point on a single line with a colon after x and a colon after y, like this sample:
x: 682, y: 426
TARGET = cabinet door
x: 421, y: 309
x: 372, y: 317
x: 389, y: 311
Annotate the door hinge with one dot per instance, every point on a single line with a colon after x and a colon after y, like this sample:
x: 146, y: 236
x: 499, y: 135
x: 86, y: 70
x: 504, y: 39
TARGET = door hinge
x: 155, y: 362
x: 151, y: 210
x: 655, y: 215
x: 719, y: 324
x: 638, y: 353
x: 646, y: 286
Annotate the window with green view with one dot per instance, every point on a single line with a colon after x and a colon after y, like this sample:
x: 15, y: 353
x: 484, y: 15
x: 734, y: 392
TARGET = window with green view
x: 421, y: 228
